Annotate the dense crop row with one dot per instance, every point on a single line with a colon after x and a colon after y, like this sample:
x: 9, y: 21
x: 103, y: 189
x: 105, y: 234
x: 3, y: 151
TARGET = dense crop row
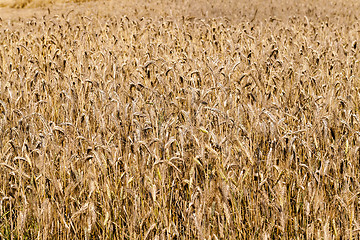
x: 143, y: 128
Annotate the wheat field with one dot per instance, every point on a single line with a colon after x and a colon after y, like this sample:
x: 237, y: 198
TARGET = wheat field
x: 180, y: 120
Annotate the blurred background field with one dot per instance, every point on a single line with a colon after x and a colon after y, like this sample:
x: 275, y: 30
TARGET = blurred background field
x: 230, y: 9
x: 33, y: 3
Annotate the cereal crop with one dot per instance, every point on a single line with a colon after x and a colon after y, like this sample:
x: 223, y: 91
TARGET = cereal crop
x: 180, y: 120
